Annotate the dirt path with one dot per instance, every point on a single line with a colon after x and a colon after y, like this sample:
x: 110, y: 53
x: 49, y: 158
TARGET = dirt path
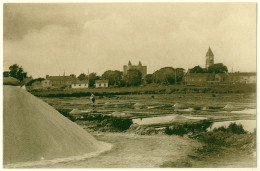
x: 135, y: 151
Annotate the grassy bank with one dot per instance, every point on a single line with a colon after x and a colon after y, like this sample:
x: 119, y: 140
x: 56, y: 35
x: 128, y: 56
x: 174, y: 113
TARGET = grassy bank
x: 219, y: 148
x: 156, y: 89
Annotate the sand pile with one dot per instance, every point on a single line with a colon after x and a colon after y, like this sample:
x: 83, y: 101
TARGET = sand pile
x: 34, y: 132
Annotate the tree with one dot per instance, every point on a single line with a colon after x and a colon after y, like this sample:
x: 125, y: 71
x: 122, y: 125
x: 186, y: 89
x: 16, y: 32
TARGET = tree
x: 164, y: 75
x: 92, y: 78
x: 17, y: 72
x: 113, y: 77
x: 133, y: 77
x: 72, y: 75
x: 217, y: 68
x: 149, y: 78
x: 197, y: 69
x: 6, y: 74
x: 179, y: 74
x: 34, y: 80
x: 168, y: 75
x: 82, y: 76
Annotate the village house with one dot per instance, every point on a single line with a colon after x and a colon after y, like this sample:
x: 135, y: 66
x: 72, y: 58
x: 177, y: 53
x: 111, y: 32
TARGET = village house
x: 242, y: 77
x: 222, y: 77
x: 80, y: 84
x: 101, y: 83
x: 198, y: 78
x: 140, y: 67
x: 61, y: 81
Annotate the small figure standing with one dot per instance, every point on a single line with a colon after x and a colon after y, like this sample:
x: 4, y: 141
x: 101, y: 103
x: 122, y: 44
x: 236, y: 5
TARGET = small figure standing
x: 92, y: 98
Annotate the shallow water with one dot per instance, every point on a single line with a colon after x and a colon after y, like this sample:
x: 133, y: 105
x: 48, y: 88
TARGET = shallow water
x: 143, y: 106
x: 154, y: 120
x: 246, y: 111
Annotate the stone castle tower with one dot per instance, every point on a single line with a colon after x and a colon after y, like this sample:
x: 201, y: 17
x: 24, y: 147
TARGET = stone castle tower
x: 209, y: 58
x: 139, y: 67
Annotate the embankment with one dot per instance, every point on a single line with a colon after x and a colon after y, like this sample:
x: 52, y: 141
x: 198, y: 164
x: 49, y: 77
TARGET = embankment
x: 178, y: 89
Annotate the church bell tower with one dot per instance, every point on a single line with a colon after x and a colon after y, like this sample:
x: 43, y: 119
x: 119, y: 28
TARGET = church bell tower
x: 209, y: 58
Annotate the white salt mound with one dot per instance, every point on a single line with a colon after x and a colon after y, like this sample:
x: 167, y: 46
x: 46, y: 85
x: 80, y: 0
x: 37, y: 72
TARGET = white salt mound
x: 75, y: 111
x: 120, y: 114
x: 36, y: 132
x: 228, y: 106
x: 205, y: 108
x: 180, y: 118
x: 179, y: 106
x: 137, y: 104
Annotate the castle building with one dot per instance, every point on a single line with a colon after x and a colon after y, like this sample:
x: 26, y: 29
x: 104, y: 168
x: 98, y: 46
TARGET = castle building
x: 209, y: 58
x: 140, y: 67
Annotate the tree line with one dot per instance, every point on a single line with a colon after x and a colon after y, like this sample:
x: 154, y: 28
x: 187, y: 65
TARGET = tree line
x: 215, y: 68
x: 164, y: 76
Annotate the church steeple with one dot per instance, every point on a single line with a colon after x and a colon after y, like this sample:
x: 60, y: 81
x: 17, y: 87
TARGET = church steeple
x: 140, y: 64
x: 129, y: 63
x: 209, y: 58
x: 209, y: 53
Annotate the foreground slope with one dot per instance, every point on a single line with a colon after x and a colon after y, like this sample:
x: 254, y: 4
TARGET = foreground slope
x: 34, y: 131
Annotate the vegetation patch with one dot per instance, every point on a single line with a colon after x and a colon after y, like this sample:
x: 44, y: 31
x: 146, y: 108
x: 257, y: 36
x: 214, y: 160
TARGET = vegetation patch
x: 177, y: 164
x: 185, y: 128
x: 220, y: 144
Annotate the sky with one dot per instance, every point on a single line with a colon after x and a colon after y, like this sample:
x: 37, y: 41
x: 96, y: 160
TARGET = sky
x: 53, y: 39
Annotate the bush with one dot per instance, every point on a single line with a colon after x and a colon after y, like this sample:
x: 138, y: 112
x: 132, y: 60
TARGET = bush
x: 222, y: 128
x: 181, y: 129
x: 121, y: 123
x: 232, y: 128
x: 176, y: 129
x: 215, y: 138
x: 236, y: 129
x: 226, y: 136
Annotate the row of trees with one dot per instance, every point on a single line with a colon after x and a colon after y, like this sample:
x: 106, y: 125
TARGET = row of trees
x: 166, y: 75
x: 215, y: 68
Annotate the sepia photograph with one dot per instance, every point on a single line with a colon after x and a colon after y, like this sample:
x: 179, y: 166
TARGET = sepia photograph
x: 129, y: 85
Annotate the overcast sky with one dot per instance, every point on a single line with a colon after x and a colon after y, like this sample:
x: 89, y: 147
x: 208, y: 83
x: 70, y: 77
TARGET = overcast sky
x: 72, y: 38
